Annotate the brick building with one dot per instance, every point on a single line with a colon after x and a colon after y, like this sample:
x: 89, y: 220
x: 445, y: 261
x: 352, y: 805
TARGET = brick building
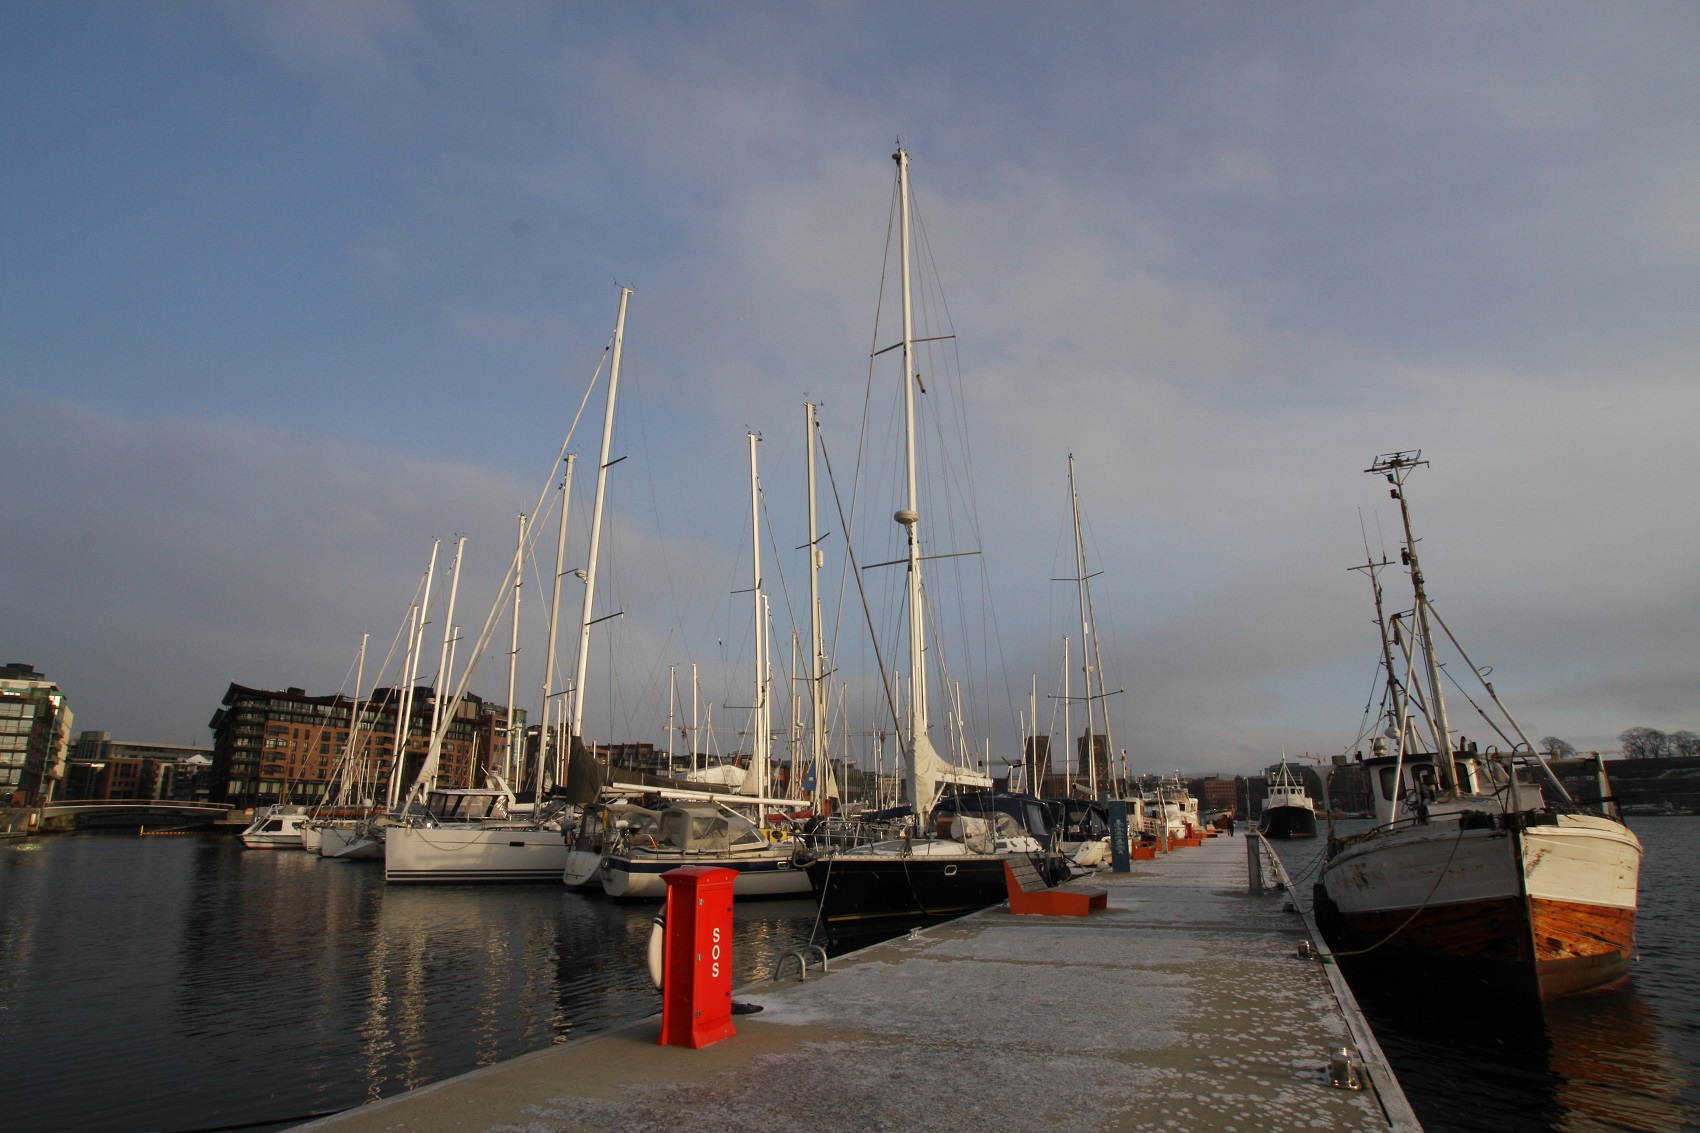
x: 104, y: 768
x: 284, y: 746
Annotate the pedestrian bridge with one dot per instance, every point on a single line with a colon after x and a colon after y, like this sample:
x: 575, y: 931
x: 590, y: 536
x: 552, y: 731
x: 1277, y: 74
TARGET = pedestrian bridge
x: 129, y: 814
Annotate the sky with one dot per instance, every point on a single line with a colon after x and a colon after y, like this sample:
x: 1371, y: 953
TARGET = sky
x: 291, y: 290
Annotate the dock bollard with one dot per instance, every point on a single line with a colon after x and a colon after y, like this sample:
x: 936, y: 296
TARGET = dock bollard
x: 1254, y: 862
x: 696, y: 988
x: 1343, y: 1070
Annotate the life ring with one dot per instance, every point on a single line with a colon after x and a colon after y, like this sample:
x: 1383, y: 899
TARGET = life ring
x: 657, y: 947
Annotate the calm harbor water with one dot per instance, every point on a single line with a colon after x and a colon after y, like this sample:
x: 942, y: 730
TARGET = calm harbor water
x: 180, y: 983
x: 174, y: 983
x: 1624, y: 1059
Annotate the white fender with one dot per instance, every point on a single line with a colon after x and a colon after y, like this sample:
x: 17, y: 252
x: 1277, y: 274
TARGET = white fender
x: 657, y: 947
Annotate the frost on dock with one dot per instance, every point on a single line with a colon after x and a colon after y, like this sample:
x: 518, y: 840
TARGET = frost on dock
x: 1183, y: 1007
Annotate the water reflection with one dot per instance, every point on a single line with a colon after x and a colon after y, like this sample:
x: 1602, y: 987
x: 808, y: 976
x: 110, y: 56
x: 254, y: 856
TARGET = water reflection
x: 184, y: 982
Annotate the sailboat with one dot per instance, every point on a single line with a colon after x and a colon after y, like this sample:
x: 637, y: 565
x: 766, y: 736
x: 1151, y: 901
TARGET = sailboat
x: 1288, y: 811
x: 923, y: 875
x: 1482, y: 867
x: 477, y: 834
x: 711, y: 833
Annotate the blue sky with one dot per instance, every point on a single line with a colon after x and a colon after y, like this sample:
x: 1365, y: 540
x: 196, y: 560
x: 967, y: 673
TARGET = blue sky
x: 291, y: 289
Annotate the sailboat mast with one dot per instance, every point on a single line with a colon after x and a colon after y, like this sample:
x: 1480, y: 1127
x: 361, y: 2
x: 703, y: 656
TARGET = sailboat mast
x: 910, y: 516
x: 508, y: 756
x: 761, y: 736
x: 1395, y: 466
x: 576, y: 722
x: 428, y: 778
x: 1068, y: 728
x: 817, y: 646
x: 544, y: 748
x: 1090, y: 750
x: 346, y: 786
x: 416, y: 643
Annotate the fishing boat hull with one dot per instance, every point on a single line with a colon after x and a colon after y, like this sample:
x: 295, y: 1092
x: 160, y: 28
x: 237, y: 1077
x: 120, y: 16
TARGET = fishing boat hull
x: 446, y: 854
x: 1535, y: 910
x: 637, y: 875
x: 1288, y: 822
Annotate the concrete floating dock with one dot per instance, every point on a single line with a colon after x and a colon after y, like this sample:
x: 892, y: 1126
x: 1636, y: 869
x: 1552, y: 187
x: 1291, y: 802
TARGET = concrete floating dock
x: 1184, y: 1006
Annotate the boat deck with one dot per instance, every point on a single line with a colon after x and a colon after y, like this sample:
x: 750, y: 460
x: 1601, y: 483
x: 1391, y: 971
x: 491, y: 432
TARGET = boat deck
x: 1183, y: 1007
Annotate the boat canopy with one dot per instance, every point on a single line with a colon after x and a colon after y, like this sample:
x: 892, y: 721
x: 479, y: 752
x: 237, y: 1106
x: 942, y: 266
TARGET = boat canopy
x: 706, y: 827
x: 1027, y: 811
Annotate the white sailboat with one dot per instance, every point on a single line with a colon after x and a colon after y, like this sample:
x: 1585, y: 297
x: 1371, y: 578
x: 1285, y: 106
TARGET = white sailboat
x: 1481, y: 867
x: 475, y: 835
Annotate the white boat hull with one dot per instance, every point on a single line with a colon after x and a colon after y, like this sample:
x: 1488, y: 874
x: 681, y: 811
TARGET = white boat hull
x: 583, y: 868
x: 275, y: 832
x: 336, y: 837
x: 422, y: 854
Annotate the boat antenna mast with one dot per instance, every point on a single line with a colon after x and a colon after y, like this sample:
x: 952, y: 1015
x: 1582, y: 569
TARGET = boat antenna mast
x: 1396, y: 708
x: 1396, y: 467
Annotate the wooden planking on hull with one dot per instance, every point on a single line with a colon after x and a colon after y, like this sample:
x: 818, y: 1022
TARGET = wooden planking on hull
x: 1580, y: 947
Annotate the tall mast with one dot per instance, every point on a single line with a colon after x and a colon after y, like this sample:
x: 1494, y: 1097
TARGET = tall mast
x: 696, y: 704
x: 1396, y: 466
x: 910, y: 516
x: 817, y: 647
x: 508, y: 756
x: 545, y: 749
x: 762, y: 738
x: 576, y: 722
x: 1091, y: 751
x: 672, y: 710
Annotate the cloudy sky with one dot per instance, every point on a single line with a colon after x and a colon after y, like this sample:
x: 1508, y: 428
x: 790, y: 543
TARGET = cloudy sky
x: 291, y: 289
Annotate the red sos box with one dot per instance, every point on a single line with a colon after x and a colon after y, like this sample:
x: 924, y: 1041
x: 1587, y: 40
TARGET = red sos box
x: 696, y: 993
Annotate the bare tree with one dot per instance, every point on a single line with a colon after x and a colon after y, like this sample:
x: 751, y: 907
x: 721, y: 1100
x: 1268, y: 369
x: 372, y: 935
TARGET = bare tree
x: 1556, y: 748
x: 1686, y: 744
x: 1644, y: 743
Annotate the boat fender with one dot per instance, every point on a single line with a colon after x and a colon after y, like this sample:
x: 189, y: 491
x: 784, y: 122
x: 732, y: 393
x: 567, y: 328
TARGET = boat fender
x: 657, y: 947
